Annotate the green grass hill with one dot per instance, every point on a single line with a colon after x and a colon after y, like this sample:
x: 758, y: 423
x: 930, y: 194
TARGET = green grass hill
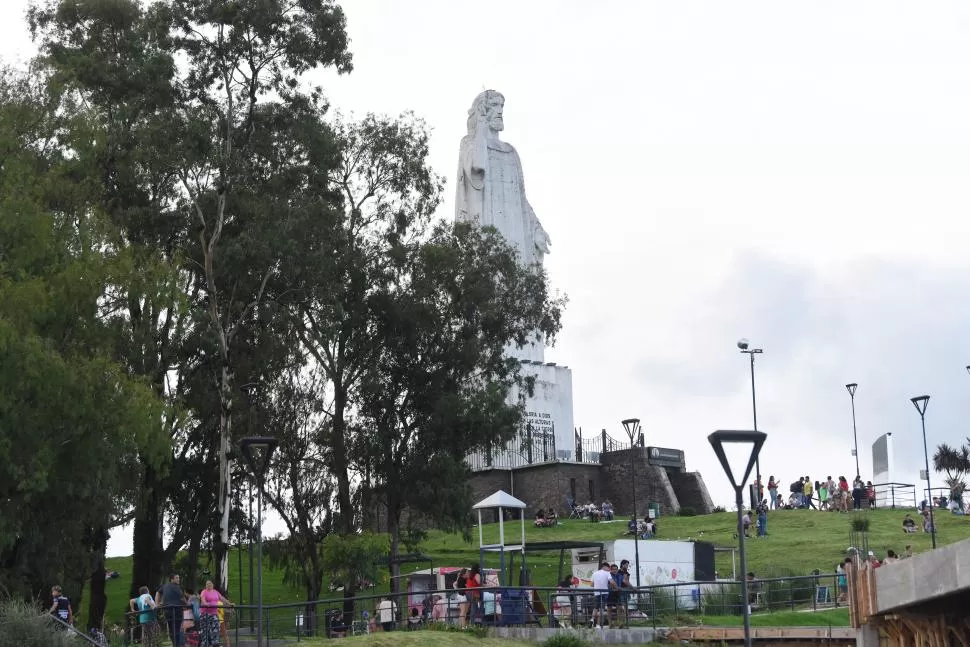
x: 798, y: 542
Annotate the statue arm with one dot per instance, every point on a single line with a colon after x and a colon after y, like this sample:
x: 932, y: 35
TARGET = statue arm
x: 474, y: 158
x: 540, y: 237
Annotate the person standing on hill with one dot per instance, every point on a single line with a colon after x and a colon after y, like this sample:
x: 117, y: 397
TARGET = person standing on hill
x: 773, y: 492
x: 808, y: 493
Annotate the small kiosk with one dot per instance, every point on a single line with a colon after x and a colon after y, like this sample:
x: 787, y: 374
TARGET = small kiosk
x: 501, y: 501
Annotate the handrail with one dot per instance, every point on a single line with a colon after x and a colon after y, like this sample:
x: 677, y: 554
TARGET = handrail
x: 71, y: 628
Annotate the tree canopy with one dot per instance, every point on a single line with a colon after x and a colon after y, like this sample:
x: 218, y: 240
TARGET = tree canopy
x: 194, y: 248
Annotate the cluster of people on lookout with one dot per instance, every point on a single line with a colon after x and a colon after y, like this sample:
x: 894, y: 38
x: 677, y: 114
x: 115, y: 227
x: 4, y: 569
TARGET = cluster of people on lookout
x: 828, y: 494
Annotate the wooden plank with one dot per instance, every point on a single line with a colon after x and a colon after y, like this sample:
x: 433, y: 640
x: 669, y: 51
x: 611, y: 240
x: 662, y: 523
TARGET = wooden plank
x: 737, y: 633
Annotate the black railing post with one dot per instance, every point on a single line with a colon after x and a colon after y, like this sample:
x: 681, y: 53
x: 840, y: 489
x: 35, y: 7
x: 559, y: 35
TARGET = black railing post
x: 528, y: 443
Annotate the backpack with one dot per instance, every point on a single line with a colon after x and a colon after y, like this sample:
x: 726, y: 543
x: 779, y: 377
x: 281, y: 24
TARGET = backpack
x: 460, y: 584
x: 796, y: 487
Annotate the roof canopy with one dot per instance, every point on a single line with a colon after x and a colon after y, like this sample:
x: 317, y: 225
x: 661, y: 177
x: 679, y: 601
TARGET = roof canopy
x: 500, y: 499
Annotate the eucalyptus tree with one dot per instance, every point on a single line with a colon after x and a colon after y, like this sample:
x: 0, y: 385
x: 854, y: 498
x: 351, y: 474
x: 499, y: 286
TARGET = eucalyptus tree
x: 215, y: 158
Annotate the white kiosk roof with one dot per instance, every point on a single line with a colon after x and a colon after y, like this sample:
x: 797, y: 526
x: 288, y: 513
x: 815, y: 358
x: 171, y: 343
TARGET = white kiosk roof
x: 500, y: 499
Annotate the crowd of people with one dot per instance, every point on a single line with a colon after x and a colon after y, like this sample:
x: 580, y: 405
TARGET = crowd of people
x: 191, y: 619
x: 829, y: 494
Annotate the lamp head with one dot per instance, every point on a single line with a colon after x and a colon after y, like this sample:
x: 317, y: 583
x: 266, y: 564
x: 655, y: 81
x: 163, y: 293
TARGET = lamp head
x: 968, y: 369
x: 257, y: 450
x: 631, y: 426
x: 851, y: 389
x: 737, y: 450
x: 743, y: 344
x: 920, y: 402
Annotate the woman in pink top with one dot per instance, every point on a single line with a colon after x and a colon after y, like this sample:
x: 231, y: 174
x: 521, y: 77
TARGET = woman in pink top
x: 209, y: 601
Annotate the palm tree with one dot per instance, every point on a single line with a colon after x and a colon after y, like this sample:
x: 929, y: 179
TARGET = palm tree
x: 955, y: 463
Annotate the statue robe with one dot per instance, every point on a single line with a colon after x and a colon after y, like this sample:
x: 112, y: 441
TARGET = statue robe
x: 491, y: 192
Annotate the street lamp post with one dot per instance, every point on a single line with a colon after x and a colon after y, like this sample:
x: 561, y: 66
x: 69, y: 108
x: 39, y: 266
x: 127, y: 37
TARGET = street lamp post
x: 745, y: 446
x: 920, y: 403
x: 751, y: 352
x: 855, y: 438
x: 632, y: 427
x: 257, y: 451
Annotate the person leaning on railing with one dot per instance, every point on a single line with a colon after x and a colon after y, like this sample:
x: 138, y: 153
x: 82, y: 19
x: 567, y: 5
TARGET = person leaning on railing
x: 147, y: 616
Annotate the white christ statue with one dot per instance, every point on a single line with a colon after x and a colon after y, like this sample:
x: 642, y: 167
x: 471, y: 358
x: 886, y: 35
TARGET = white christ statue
x: 490, y: 188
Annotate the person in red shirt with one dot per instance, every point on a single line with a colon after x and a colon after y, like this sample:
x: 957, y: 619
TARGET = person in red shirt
x: 472, y: 585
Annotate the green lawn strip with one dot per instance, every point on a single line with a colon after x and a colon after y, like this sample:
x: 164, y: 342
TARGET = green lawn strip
x: 827, y: 618
x: 798, y: 542
x: 420, y: 639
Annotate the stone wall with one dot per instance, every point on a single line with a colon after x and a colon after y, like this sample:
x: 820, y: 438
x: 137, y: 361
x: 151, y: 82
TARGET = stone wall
x: 550, y: 485
x: 691, y: 491
x: 545, y: 486
x: 653, y: 484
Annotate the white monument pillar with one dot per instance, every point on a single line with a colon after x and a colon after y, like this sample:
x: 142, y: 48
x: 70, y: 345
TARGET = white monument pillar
x: 491, y: 192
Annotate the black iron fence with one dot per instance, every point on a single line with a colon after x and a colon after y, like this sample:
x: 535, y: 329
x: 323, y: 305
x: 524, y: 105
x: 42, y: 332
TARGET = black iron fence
x: 528, y: 448
x: 590, y: 450
x: 418, y: 610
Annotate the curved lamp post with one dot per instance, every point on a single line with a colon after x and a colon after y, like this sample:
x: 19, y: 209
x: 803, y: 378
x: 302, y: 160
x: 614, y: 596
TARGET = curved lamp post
x: 257, y: 450
x: 751, y: 352
x: 920, y: 403
x: 855, y: 438
x: 745, y: 447
x: 632, y: 427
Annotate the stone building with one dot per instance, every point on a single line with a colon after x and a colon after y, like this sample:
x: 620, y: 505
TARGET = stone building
x: 603, y: 470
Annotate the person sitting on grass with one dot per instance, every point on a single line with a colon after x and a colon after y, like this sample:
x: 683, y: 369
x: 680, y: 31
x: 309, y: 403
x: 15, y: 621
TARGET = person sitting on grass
x: 632, y: 527
x: 909, y: 524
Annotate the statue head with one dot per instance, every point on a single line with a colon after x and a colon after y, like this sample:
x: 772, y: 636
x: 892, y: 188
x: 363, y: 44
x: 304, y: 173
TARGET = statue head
x: 486, y: 110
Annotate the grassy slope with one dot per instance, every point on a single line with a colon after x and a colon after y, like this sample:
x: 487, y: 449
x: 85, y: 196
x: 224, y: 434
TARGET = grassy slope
x: 798, y: 542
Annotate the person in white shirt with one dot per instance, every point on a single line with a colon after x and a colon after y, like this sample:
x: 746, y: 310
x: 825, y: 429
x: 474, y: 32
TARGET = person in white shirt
x: 386, y: 613
x: 603, y: 582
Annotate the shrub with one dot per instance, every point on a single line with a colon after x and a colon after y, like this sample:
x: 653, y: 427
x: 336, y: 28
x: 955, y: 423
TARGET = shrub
x: 23, y: 624
x: 859, y: 523
x: 718, y: 508
x: 566, y: 640
x: 721, y: 599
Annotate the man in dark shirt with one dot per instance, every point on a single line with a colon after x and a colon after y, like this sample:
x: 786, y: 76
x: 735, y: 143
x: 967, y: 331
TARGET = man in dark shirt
x: 169, y: 598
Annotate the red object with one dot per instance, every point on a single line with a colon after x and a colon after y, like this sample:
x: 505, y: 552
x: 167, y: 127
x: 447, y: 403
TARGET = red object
x: 673, y: 573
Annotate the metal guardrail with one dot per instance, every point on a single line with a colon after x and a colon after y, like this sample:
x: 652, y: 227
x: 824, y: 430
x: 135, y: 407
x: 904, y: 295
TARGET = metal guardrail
x: 523, y: 606
x: 76, y: 633
x: 895, y: 495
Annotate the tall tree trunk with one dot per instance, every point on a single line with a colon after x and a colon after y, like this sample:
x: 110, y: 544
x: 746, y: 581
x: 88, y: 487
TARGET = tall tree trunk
x: 195, y: 547
x: 313, y: 593
x: 99, y: 600
x: 147, y: 567
x: 224, y: 503
x: 340, y: 461
x: 394, y: 529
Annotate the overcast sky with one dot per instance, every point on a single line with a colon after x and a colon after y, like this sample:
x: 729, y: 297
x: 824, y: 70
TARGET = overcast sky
x: 793, y: 173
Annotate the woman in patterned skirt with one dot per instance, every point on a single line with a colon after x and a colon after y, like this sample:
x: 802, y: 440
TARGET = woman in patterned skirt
x: 210, y: 600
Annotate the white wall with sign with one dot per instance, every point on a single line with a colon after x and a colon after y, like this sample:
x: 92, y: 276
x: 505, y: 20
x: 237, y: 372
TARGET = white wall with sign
x: 550, y: 409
